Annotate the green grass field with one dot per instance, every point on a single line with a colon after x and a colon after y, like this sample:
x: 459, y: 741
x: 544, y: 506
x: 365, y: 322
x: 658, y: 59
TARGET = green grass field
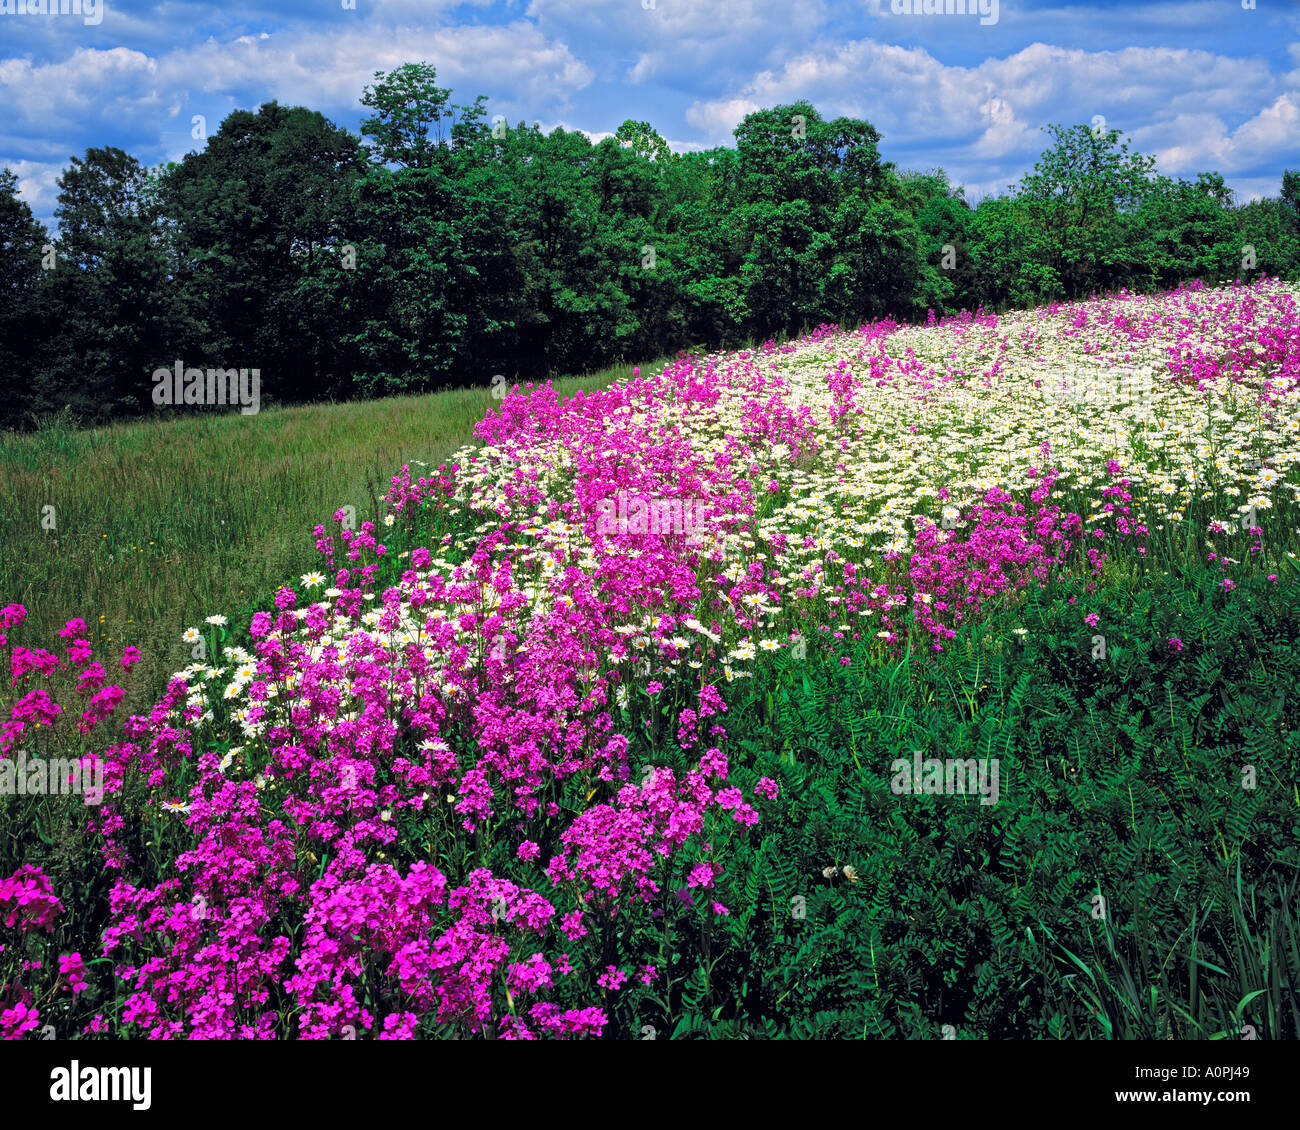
x: 158, y: 524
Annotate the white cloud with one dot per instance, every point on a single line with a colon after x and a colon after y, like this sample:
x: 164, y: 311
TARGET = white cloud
x: 719, y: 118
x: 987, y: 118
x: 38, y: 184
x: 685, y: 41
x: 326, y: 69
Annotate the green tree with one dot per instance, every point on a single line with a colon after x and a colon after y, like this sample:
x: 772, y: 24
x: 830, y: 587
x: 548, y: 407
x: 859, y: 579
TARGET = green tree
x: 1184, y: 230
x: 112, y: 286
x: 826, y: 234
x: 1073, y: 201
x: 1291, y: 194
x: 644, y: 141
x: 409, y: 109
x: 24, y: 316
x: 253, y: 214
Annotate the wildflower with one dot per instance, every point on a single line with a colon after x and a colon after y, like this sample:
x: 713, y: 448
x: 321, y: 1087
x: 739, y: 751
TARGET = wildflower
x: 219, y: 620
x: 73, y: 967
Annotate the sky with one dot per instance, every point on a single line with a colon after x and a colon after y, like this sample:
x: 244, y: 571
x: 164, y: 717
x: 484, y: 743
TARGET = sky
x: 1203, y: 85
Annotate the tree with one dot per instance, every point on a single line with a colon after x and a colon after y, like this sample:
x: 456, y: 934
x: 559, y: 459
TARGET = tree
x: 1291, y: 194
x: 826, y: 234
x: 23, y: 314
x: 253, y: 214
x: 111, y: 282
x: 1185, y: 230
x: 407, y: 127
x: 644, y: 141
x: 1074, y: 198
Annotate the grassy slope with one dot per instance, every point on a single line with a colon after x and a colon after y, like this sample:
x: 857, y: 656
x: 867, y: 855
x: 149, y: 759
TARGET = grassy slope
x: 160, y: 523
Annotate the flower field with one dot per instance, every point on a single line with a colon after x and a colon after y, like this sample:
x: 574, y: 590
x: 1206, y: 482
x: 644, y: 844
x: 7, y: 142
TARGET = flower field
x: 599, y: 733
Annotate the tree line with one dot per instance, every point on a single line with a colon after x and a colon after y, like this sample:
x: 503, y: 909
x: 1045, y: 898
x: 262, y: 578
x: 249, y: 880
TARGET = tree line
x: 440, y: 248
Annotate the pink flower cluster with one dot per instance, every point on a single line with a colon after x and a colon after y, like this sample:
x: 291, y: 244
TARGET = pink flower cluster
x: 27, y: 900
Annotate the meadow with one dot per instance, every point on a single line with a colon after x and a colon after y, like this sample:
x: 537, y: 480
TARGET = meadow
x: 146, y: 527
x: 525, y: 752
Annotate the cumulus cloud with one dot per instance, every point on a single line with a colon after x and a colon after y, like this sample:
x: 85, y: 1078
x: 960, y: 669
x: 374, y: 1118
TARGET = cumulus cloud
x: 983, y: 122
x: 693, y: 41
x: 325, y: 69
x: 1199, y: 88
x: 38, y: 184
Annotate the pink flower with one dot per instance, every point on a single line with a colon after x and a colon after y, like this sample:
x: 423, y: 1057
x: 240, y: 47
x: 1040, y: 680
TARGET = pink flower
x: 528, y: 850
x: 612, y: 979
x: 572, y: 926
x: 766, y: 787
x: 91, y: 676
x: 701, y: 875
x: 1092, y: 619
x: 531, y: 976
x: 17, y: 1020
x: 27, y: 899
x: 1175, y: 644
x: 73, y: 968
x: 399, y: 1026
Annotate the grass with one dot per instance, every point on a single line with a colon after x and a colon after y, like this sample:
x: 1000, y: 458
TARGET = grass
x: 157, y: 524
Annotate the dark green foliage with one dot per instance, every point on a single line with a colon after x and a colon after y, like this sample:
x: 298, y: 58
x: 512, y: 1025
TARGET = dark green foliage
x: 1121, y: 777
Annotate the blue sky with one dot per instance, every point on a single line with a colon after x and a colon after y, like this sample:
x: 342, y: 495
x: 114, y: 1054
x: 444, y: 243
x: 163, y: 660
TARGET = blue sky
x: 1201, y: 84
